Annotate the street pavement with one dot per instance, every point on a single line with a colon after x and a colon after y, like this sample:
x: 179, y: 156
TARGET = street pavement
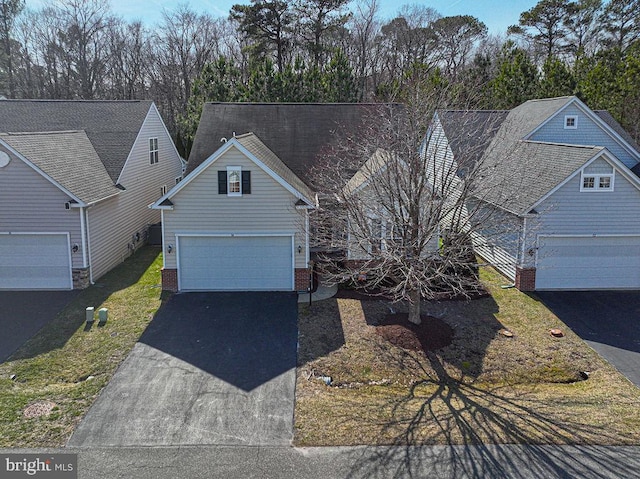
x: 433, y: 462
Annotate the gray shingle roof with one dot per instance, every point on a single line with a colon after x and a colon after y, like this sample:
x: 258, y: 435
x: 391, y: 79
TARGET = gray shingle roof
x: 617, y: 127
x: 515, y: 180
x: 297, y: 133
x: 69, y: 159
x: 469, y: 132
x: 111, y: 126
x: 252, y: 143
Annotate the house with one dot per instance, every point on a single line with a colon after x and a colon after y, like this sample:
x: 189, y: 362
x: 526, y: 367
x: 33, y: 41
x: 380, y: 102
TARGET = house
x: 564, y: 180
x: 239, y: 219
x: 76, y: 178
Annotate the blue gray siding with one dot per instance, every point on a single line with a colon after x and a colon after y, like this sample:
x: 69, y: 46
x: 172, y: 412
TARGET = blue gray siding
x: 587, y: 133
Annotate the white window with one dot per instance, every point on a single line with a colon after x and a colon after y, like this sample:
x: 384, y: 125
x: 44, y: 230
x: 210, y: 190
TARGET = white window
x: 601, y: 182
x: 571, y: 122
x: 178, y: 179
x: 163, y: 190
x: 153, y: 151
x: 234, y: 181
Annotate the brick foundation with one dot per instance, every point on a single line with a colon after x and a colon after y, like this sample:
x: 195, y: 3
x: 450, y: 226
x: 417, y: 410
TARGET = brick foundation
x: 301, y: 279
x: 80, y: 278
x: 526, y: 279
x: 170, y: 280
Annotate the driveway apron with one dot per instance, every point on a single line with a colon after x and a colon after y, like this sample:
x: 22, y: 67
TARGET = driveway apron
x: 609, y: 321
x: 211, y: 368
x: 24, y: 313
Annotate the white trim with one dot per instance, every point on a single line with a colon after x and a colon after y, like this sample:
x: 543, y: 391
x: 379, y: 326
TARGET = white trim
x: 238, y: 171
x: 596, y: 119
x: 49, y: 233
x: 575, y: 122
x: 42, y: 173
x: 89, y: 249
x: 292, y: 235
x: 138, y: 136
x: 596, y: 182
x: 164, y: 253
x: 609, y: 158
x: 83, y: 236
x: 153, y: 142
x: 233, y: 142
x: 306, y: 240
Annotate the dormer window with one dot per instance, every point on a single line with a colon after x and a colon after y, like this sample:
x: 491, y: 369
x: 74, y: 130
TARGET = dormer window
x: 571, y: 122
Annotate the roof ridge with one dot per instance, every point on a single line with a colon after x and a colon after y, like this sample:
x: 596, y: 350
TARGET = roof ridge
x: 48, y: 100
x: 275, y: 103
x: 29, y: 133
x: 554, y: 143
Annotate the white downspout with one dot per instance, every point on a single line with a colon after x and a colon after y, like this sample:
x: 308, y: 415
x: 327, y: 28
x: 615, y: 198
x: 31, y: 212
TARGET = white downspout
x: 164, y: 253
x: 83, y: 235
x: 89, y: 248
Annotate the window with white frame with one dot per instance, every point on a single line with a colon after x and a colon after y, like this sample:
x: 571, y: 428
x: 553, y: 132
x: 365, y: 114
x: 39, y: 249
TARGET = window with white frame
x: 234, y: 182
x: 163, y: 190
x: 597, y: 182
x: 571, y: 122
x: 153, y: 151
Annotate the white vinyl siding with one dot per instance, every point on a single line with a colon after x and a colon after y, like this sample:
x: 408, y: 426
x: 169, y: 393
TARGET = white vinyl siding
x: 235, y: 263
x: 35, y: 261
x: 114, y: 223
x: 588, y: 262
x: 198, y: 208
x: 31, y: 203
x: 587, y: 133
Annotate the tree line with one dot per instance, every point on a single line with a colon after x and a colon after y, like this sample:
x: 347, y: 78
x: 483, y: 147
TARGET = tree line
x: 322, y: 51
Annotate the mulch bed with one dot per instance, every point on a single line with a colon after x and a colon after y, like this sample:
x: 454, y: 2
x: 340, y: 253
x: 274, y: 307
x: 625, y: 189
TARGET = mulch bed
x: 362, y: 295
x: 431, y: 334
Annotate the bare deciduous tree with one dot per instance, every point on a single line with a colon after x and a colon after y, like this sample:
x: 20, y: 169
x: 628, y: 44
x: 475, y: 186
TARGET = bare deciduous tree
x: 399, y: 216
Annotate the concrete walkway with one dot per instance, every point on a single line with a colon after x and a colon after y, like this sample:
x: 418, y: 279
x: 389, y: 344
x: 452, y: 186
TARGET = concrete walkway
x: 323, y: 292
x: 442, y: 462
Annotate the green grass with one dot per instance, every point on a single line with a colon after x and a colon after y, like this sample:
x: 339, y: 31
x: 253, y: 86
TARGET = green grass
x: 482, y: 389
x: 69, y: 364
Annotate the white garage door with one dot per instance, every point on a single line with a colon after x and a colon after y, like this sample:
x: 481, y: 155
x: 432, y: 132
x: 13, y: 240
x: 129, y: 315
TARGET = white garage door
x: 238, y: 263
x: 35, y: 261
x: 601, y: 262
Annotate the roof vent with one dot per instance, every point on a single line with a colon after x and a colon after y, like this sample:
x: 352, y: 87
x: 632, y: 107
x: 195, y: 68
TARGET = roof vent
x: 223, y: 140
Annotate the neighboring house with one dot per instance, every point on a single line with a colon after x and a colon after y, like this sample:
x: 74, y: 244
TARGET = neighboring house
x: 239, y: 219
x: 564, y: 180
x: 76, y: 178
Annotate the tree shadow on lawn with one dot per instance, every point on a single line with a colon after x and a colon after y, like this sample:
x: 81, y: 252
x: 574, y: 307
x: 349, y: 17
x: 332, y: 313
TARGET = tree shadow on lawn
x: 474, y: 326
x: 498, y: 434
x: 57, y: 332
x: 317, y: 339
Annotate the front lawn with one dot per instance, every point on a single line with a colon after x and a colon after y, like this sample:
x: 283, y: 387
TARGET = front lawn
x: 63, y: 368
x: 484, y: 388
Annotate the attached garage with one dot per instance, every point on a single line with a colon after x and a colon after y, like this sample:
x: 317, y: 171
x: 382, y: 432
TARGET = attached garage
x: 235, y: 263
x: 35, y: 261
x: 588, y: 262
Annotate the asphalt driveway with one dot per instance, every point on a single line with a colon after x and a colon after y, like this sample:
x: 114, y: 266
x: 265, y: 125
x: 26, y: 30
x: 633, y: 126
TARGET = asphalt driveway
x: 609, y: 321
x: 24, y: 313
x: 211, y: 368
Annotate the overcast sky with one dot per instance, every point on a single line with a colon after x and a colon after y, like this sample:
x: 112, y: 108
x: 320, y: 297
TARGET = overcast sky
x: 496, y: 14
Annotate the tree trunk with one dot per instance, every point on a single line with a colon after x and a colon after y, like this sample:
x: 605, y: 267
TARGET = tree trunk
x: 414, y: 307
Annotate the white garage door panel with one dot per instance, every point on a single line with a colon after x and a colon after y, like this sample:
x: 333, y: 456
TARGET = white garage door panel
x: 601, y: 262
x: 35, y: 261
x: 238, y: 263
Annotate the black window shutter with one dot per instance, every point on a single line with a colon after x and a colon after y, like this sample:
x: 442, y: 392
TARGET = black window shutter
x: 222, y: 182
x: 246, y: 182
